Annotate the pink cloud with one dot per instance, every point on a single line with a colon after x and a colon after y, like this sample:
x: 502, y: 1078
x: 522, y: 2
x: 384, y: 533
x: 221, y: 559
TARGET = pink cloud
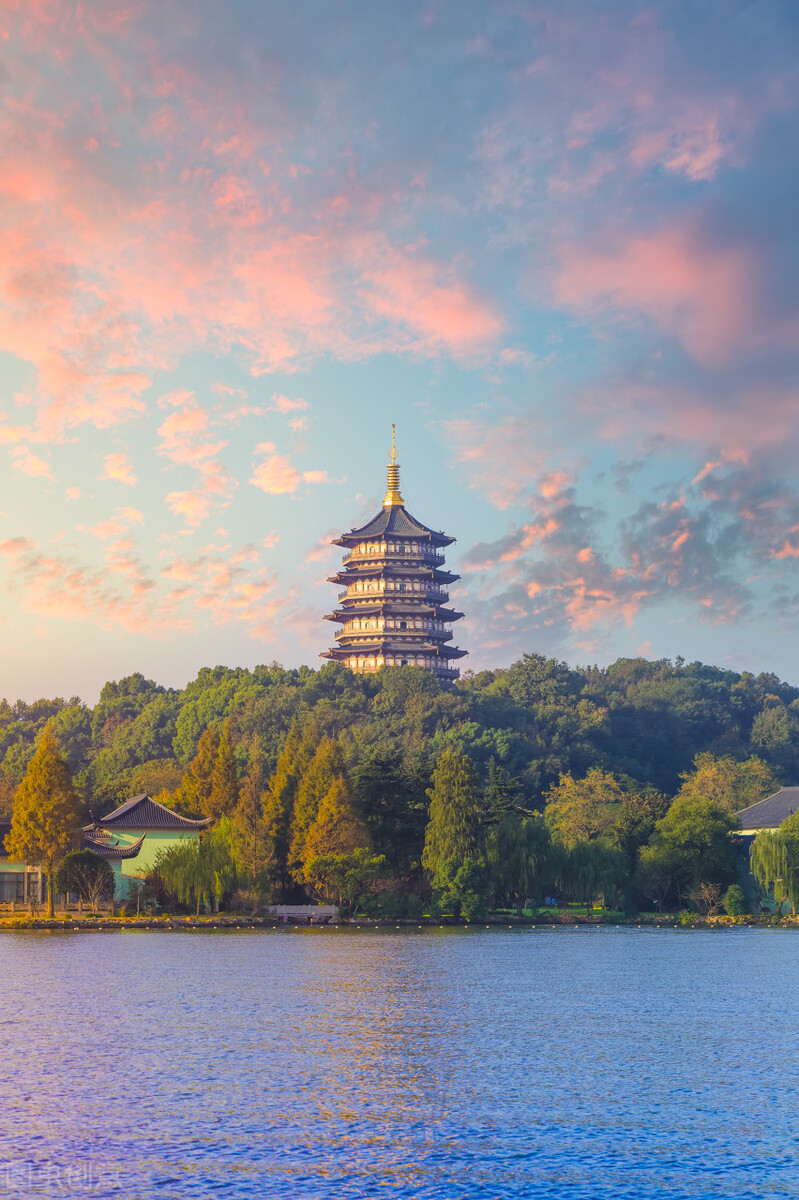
x: 118, y: 467
x: 283, y: 404
x: 28, y: 463
x: 703, y: 295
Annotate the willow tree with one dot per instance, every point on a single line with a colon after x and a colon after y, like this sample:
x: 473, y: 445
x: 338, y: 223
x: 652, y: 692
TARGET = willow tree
x: 774, y: 861
x: 199, y: 872
x: 47, y: 813
x: 518, y: 850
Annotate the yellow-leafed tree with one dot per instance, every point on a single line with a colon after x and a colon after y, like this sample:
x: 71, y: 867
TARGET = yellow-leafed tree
x: 47, y: 813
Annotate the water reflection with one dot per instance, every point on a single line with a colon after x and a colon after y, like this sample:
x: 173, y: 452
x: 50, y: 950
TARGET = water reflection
x: 337, y: 1063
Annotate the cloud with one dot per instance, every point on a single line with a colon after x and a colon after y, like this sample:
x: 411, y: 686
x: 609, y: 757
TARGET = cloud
x: 283, y: 404
x: 703, y: 295
x: 118, y: 467
x: 24, y: 460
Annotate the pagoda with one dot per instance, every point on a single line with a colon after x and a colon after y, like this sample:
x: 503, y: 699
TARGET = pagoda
x: 393, y: 608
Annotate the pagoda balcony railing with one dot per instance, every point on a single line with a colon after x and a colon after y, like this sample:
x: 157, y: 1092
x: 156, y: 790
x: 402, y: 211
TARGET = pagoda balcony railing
x: 431, y: 590
x: 439, y: 632
x: 399, y: 554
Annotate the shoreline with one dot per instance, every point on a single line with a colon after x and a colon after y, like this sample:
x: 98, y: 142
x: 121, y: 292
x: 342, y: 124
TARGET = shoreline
x: 170, y: 924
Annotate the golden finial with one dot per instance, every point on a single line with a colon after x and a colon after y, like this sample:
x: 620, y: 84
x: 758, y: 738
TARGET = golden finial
x: 392, y: 491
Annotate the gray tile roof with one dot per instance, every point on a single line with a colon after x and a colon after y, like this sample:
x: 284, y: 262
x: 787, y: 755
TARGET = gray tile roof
x: 771, y: 812
x: 142, y: 812
x: 106, y: 847
x: 395, y: 519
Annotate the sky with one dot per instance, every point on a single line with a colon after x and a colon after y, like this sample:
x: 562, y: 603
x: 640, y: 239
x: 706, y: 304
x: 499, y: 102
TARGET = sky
x: 556, y: 244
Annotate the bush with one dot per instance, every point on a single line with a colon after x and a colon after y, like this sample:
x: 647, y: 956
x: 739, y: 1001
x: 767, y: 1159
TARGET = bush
x: 414, y: 906
x: 735, y: 902
x: 392, y: 905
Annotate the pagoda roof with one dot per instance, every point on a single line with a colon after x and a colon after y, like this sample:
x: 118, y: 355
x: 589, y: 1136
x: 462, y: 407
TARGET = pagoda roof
x: 393, y: 519
x: 142, y: 812
x: 106, y: 847
x: 376, y: 607
x: 392, y: 571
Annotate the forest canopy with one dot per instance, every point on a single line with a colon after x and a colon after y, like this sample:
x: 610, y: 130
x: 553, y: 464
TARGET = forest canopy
x: 537, y: 720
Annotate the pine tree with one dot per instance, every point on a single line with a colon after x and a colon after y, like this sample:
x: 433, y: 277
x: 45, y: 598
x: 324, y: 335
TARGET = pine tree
x: 46, y: 813
x: 195, y: 790
x: 325, y: 768
x: 224, y: 781
x: 280, y: 796
x: 337, y: 828
x: 453, y: 831
x: 249, y: 828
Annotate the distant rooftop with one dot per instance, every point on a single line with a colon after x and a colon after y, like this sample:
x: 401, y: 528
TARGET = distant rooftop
x: 142, y: 812
x: 771, y: 812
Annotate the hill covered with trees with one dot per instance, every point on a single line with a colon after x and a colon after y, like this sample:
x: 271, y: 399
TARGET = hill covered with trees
x: 593, y: 771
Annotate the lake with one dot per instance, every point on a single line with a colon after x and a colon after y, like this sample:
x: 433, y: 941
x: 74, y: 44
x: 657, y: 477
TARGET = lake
x: 555, y: 1062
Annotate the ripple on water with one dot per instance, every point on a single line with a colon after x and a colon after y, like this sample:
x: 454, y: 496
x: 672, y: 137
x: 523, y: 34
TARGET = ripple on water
x: 589, y: 1065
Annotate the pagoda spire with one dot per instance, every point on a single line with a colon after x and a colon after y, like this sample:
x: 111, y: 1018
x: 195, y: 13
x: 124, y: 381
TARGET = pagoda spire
x: 393, y: 485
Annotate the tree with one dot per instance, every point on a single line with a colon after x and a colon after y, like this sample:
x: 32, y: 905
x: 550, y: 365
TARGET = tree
x: 198, y: 782
x: 325, y: 768
x: 87, y: 874
x: 730, y: 784
x: 774, y: 861
x: 390, y: 790
x: 518, y: 848
x: 502, y: 793
x: 248, y: 826
x: 199, y: 871
x: 661, y: 871
x: 453, y: 831
x: 589, y: 869
x: 345, y: 877
x: 281, y: 797
x: 224, y: 793
x: 337, y: 827
x: 46, y: 813
x: 697, y: 833
x: 584, y: 809
x: 462, y: 888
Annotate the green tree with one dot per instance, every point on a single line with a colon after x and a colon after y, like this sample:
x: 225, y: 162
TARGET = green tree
x: 199, y: 872
x: 774, y: 861
x: 198, y: 782
x: 46, y: 814
x: 502, y: 793
x: 590, y: 869
x: 662, y: 871
x: 248, y: 825
x: 582, y: 810
x: 280, y: 798
x: 462, y: 888
x: 453, y: 831
x: 87, y: 874
x: 698, y: 833
x: 325, y: 768
x: 224, y: 780
x: 518, y: 851
x: 345, y: 877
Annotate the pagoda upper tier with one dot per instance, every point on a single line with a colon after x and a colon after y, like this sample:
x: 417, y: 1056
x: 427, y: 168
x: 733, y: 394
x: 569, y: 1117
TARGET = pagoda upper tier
x: 393, y: 610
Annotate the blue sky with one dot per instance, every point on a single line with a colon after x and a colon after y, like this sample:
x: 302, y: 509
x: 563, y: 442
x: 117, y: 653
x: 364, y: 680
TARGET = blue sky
x: 556, y: 244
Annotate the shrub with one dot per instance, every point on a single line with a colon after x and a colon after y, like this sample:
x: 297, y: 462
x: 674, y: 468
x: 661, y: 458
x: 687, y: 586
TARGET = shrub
x: 735, y: 902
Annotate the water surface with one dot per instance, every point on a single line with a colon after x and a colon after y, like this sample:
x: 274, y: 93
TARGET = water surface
x: 570, y: 1063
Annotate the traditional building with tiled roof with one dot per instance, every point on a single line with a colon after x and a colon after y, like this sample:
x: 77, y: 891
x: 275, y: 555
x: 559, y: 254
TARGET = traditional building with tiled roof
x: 133, y: 835
x: 393, y: 610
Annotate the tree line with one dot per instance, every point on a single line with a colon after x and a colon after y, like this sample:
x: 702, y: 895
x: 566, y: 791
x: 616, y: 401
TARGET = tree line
x: 538, y: 781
